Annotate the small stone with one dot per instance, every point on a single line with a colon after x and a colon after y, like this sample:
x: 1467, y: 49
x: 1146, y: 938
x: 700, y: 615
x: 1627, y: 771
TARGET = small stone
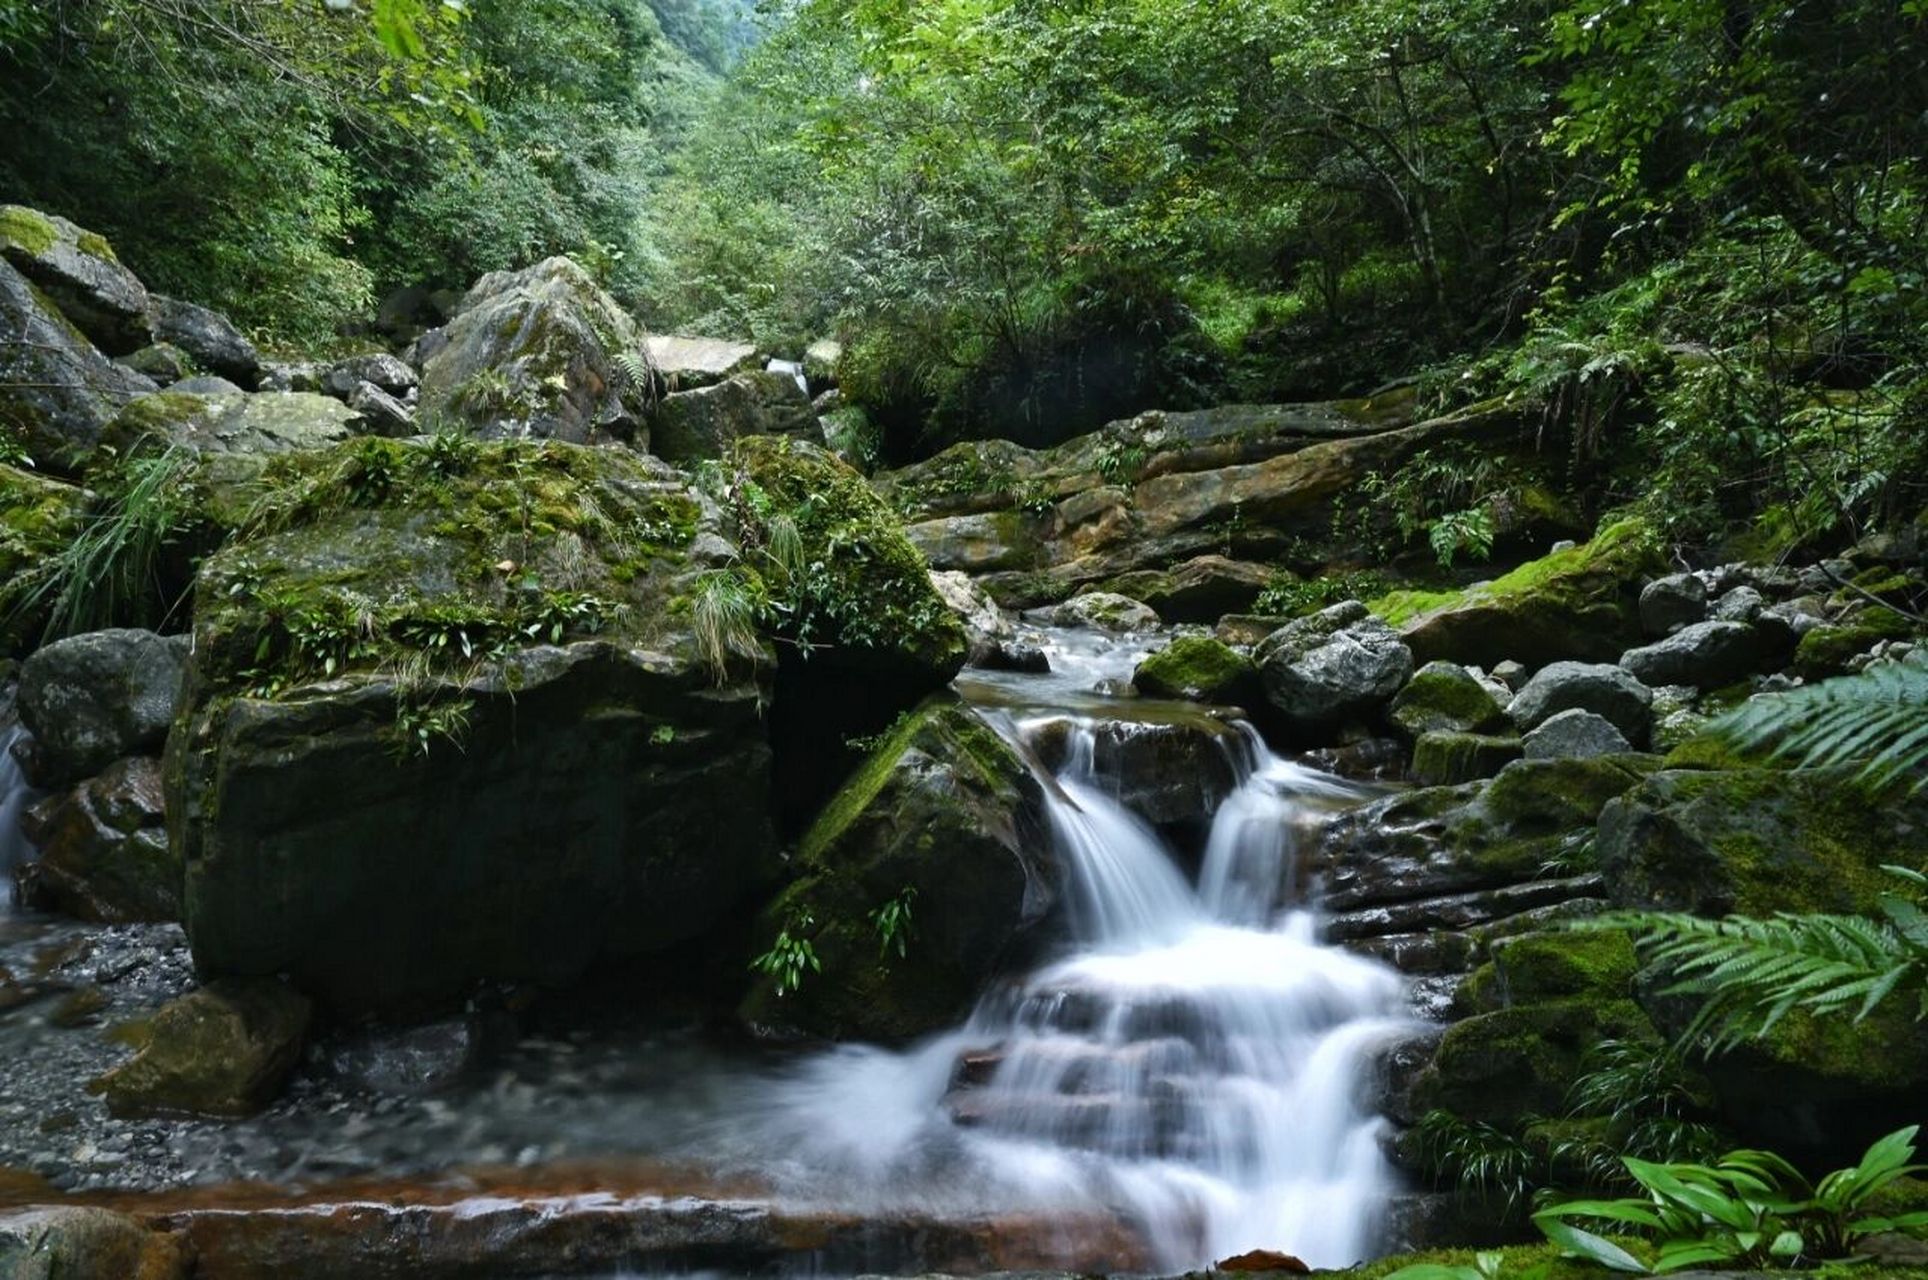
x: 1513, y: 675
x: 385, y: 372
x: 223, y: 1050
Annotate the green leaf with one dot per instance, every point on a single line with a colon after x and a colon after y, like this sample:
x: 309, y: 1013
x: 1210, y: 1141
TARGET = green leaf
x: 1589, y: 1246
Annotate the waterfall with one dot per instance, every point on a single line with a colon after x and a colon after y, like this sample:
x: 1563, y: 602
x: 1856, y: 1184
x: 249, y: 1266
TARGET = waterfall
x: 15, y: 796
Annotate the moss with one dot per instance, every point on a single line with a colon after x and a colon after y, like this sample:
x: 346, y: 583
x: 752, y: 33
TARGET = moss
x: 32, y: 231
x: 861, y: 791
x: 1521, y: 1059
x: 1198, y: 668
x: 1546, y: 966
x: 1442, y: 696
x: 1517, y: 1262
x: 1886, y: 1051
x: 38, y: 519
x: 1444, y: 758
x: 1705, y: 751
x: 1826, y: 650
x: 1402, y: 606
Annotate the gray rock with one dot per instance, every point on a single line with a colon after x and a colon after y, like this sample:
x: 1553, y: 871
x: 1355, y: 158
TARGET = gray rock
x: 1785, y: 623
x: 1513, y: 675
x: 537, y: 354
x: 163, y: 362
x: 988, y: 628
x: 1741, y: 604
x: 1667, y: 604
x: 1337, y: 664
x: 78, y: 271
x: 408, y: 1061
x: 1706, y: 655
x: 381, y: 413
x: 205, y: 385
x: 691, y: 425
x: 1575, y: 734
x: 208, y: 338
x: 57, y: 391
x: 79, y: 1242
x: 1677, y: 717
x: 1104, y: 610
x: 1446, y: 697
x: 384, y: 371
x: 685, y: 362
x: 1607, y: 691
x: 90, y: 700
x: 291, y: 375
x: 234, y: 423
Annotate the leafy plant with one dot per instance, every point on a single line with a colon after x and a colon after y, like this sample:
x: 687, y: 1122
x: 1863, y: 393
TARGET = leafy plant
x: 1486, y: 1265
x: 13, y: 450
x: 1747, y: 1209
x: 1288, y: 597
x: 1469, y: 533
x: 791, y: 955
x: 419, y: 726
x: 1121, y: 461
x: 894, y: 925
x: 725, y: 609
x: 1872, y: 726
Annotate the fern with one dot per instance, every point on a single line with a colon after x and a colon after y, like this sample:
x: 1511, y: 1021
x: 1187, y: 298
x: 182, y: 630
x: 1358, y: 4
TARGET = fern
x: 1753, y: 973
x: 1874, y: 723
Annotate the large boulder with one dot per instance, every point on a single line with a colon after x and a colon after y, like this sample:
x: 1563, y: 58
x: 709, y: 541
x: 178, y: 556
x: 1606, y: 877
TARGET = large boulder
x: 38, y: 520
x: 689, y: 426
x: 92, y: 699
x: 103, y: 848
x: 943, y: 821
x: 224, y: 1050
x: 685, y: 363
x: 453, y: 719
x: 78, y: 271
x: 537, y: 353
x: 207, y: 338
x: 1707, y: 655
x: 1102, y: 611
x: 378, y: 369
x: 1335, y: 665
x: 1607, y: 691
x: 57, y: 392
x: 863, y: 634
x: 1444, y: 697
x: 1202, y: 589
x: 1578, y: 603
x: 1575, y: 734
x: 73, y: 1242
x: 1200, y: 669
x: 233, y: 422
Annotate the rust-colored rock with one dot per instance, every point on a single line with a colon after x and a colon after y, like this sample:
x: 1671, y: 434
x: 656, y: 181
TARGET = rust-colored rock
x: 1264, y: 1260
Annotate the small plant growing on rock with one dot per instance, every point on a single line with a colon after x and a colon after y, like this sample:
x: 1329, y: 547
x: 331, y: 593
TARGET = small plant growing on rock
x: 791, y: 955
x: 419, y: 726
x: 894, y: 925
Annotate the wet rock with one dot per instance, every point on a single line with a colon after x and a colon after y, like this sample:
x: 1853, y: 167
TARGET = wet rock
x: 103, y: 849
x: 79, y: 1243
x: 1445, y: 697
x: 78, y: 272
x: 686, y: 363
x: 408, y: 1060
x: 207, y: 338
x: 92, y: 699
x: 1102, y: 610
x: 379, y: 369
x: 1445, y: 757
x: 43, y: 515
x: 1707, y: 655
x: 1670, y: 603
x: 1174, y: 769
x: 1609, y: 692
x: 232, y: 422
x: 980, y: 543
x: 1202, y: 589
x: 534, y: 354
x: 224, y: 1050
x: 1336, y: 664
x: 943, y: 819
x: 1575, y: 734
x: 989, y: 630
x: 1199, y: 669
x: 57, y: 391
x: 1366, y: 758
x: 380, y: 413
x: 689, y: 426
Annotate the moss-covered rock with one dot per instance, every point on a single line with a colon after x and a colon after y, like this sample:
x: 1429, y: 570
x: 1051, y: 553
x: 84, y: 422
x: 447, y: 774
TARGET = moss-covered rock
x: 864, y: 635
x: 1827, y: 650
x: 1442, y: 758
x: 1579, y: 603
x: 70, y: 1242
x: 535, y: 354
x: 78, y: 271
x: 103, y: 846
x: 1519, y: 1060
x: 1202, y: 589
x: 451, y: 719
x: 1551, y: 966
x: 1199, y: 669
x: 222, y: 1050
x: 940, y: 821
x: 688, y: 426
x: 268, y: 423
x: 38, y: 519
x: 1754, y: 841
x: 57, y: 392
x: 1445, y: 697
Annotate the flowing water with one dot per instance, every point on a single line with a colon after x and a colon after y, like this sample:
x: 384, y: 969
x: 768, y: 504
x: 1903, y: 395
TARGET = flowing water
x: 15, y: 796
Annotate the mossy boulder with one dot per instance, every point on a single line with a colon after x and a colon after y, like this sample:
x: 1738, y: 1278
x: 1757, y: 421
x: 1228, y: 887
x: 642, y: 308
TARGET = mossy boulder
x: 1198, y: 669
x: 689, y: 426
x: 942, y: 819
x: 78, y: 272
x: 222, y: 1050
x: 92, y: 699
x: 1550, y: 966
x: 1444, y: 757
x: 1202, y: 589
x: 450, y: 721
x: 1754, y: 841
x: 1520, y: 1060
x: 1445, y: 697
x: 57, y: 391
x: 863, y: 635
x: 1827, y: 650
x: 232, y: 423
x: 38, y: 520
x: 537, y: 354
x: 1580, y: 603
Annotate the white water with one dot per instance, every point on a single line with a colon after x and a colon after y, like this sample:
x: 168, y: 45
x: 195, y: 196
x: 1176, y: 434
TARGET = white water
x: 15, y: 796
x: 1194, y: 1064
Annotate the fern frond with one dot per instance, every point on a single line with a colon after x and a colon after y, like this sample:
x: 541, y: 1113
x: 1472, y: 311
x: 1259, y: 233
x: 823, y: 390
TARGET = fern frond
x: 1875, y: 722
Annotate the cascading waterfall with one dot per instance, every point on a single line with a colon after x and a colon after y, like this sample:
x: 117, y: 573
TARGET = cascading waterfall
x: 15, y: 796
x: 1193, y: 1064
